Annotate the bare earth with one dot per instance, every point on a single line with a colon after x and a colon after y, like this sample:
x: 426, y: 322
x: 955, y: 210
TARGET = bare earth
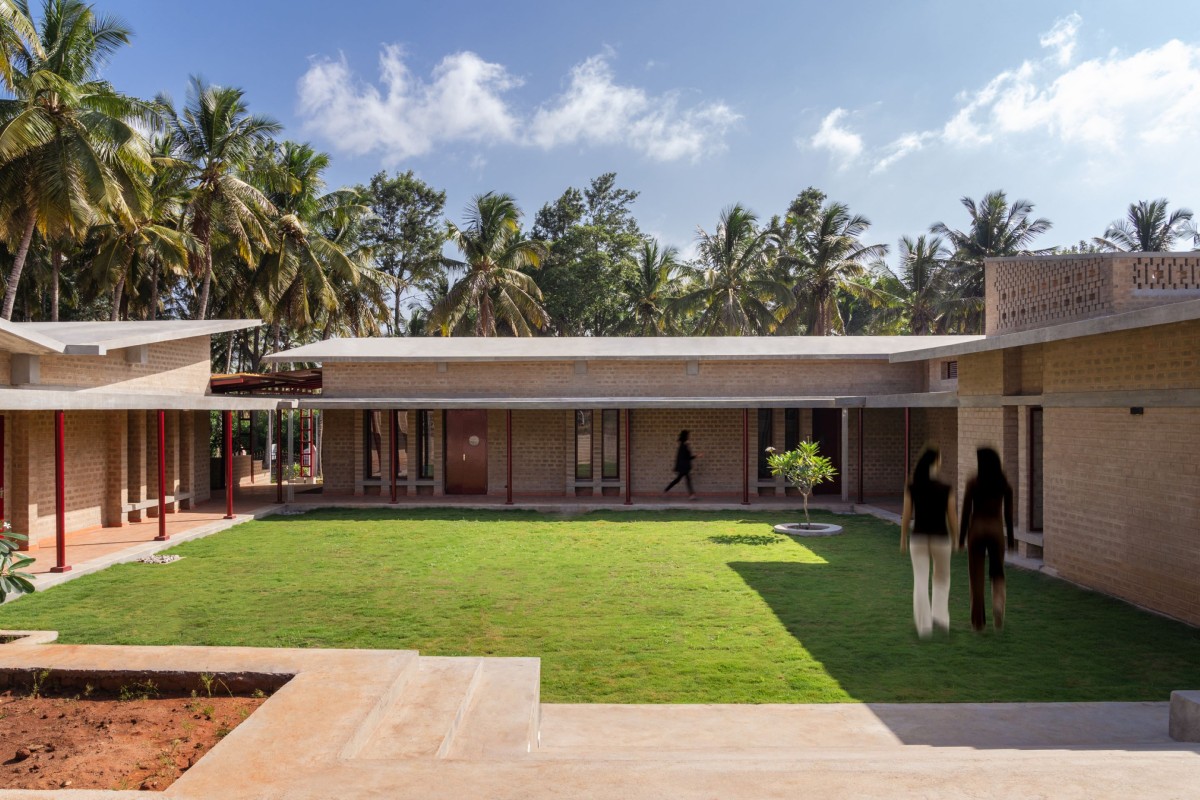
x: 103, y: 742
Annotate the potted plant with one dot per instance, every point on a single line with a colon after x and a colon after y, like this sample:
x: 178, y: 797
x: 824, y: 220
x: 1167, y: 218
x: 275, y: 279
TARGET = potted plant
x: 804, y: 467
x: 12, y: 580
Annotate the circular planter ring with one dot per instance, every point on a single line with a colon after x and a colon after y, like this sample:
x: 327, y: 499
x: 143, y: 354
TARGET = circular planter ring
x: 816, y: 529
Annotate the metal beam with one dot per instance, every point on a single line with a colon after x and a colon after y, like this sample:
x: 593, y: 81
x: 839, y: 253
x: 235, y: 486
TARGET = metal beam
x: 628, y: 470
x: 161, y: 431
x: 60, y: 495
x: 745, y: 456
x: 508, y: 450
x: 228, y: 464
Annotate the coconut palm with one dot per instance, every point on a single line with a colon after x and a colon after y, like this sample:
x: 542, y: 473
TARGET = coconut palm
x: 923, y: 286
x: 996, y: 229
x: 493, y: 290
x: 732, y: 291
x: 1147, y: 228
x: 217, y: 137
x: 17, y: 32
x: 827, y: 260
x: 69, y: 155
x: 649, y: 292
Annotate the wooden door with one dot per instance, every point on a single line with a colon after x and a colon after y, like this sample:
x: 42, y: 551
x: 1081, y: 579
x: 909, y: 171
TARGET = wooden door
x: 466, y: 452
x: 827, y: 433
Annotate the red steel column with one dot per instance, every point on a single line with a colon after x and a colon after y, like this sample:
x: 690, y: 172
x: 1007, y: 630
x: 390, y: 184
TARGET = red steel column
x: 228, y: 464
x: 861, y: 411
x: 628, y: 470
x: 60, y: 496
x: 162, y: 476
x: 279, y: 455
x: 395, y: 456
x: 907, y: 433
x: 745, y: 456
x: 2, y: 468
x: 508, y: 456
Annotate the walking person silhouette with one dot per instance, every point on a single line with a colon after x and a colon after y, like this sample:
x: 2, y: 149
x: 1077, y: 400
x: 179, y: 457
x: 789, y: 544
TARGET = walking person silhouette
x: 987, y: 506
x: 929, y: 505
x: 683, y: 465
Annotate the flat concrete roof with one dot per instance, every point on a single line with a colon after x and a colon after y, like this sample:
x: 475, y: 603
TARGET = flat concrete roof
x: 97, y: 338
x: 915, y: 400
x: 612, y: 348
x: 1183, y: 311
x: 77, y: 399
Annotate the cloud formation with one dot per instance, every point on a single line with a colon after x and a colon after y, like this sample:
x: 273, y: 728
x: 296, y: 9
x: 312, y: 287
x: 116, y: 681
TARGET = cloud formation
x: 843, y: 144
x: 1101, y: 105
x: 465, y: 100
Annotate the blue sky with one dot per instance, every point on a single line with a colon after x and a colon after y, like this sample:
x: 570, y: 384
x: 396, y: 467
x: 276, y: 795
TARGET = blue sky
x: 897, y: 109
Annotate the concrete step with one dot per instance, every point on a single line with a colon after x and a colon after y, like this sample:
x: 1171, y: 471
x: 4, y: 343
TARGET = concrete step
x: 504, y: 713
x: 704, y: 732
x: 427, y: 713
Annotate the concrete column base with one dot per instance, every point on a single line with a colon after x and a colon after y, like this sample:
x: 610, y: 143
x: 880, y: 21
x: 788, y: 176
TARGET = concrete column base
x: 1185, y: 716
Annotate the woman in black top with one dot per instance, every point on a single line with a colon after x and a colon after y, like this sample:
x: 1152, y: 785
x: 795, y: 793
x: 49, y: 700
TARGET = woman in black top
x: 929, y: 505
x: 987, y: 516
x: 683, y: 466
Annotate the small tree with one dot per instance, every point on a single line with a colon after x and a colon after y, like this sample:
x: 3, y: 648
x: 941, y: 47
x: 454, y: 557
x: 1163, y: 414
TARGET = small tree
x: 12, y: 581
x: 805, y: 467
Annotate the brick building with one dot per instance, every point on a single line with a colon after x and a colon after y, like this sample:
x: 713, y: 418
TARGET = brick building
x: 1087, y: 382
x: 80, y: 411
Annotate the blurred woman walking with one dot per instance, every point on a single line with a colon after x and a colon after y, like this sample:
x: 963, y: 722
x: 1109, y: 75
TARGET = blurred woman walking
x: 929, y: 505
x: 987, y: 516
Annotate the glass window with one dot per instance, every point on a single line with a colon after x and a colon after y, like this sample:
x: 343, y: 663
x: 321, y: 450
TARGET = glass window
x: 425, y: 443
x: 610, y: 444
x: 372, y: 423
x: 583, y: 445
x: 791, y: 428
x: 766, y: 438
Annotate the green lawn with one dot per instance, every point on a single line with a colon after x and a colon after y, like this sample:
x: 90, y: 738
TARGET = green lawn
x: 626, y: 607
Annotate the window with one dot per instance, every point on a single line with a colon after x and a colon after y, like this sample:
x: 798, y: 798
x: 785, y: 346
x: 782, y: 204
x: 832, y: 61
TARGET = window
x: 610, y: 444
x: 372, y: 452
x: 949, y: 370
x: 766, y: 438
x: 425, y: 444
x: 791, y: 428
x: 583, y: 445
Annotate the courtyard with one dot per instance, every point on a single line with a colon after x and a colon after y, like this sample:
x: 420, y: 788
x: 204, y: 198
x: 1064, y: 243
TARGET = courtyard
x: 626, y: 607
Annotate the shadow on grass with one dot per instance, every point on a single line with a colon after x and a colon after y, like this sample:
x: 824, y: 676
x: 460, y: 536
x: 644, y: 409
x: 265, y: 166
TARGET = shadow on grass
x: 754, y: 540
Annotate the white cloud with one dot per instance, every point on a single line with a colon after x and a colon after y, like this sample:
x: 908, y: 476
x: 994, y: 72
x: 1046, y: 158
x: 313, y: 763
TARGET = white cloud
x: 464, y: 100
x: 406, y: 116
x: 842, y: 143
x: 901, y: 147
x: 1061, y: 38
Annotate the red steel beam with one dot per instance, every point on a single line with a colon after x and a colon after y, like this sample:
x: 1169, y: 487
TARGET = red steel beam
x: 162, y: 476
x: 228, y: 464
x: 279, y: 455
x: 508, y: 448
x: 628, y: 471
x: 2, y: 468
x: 745, y: 456
x: 60, y: 496
x: 395, y: 421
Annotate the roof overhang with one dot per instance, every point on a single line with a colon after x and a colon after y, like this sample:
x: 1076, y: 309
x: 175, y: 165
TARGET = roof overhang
x: 917, y: 400
x: 99, y: 338
x: 65, y: 399
x: 1171, y: 313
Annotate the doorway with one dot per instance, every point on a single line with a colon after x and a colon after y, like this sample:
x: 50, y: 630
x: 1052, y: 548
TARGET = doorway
x: 827, y: 433
x: 1036, y: 473
x: 466, y: 452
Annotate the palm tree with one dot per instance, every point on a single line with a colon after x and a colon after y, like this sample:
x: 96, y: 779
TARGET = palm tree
x: 732, y: 289
x: 68, y: 152
x: 218, y: 137
x: 997, y: 229
x: 922, y: 290
x: 1147, y: 228
x: 649, y: 291
x: 494, y: 288
x: 827, y: 260
x: 17, y: 32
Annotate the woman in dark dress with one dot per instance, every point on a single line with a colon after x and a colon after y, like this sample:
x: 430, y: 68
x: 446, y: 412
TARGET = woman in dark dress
x: 683, y: 466
x: 987, y: 517
x: 929, y: 505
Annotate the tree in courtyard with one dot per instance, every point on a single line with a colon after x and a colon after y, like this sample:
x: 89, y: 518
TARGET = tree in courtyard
x: 405, y: 232
x: 1147, y: 228
x: 495, y: 292
x: 996, y: 229
x: 804, y: 468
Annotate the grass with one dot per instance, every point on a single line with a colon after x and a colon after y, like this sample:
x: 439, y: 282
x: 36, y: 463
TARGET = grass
x: 627, y: 607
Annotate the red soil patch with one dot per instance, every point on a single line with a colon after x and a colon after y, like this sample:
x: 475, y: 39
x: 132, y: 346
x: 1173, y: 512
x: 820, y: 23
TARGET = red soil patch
x: 104, y: 742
